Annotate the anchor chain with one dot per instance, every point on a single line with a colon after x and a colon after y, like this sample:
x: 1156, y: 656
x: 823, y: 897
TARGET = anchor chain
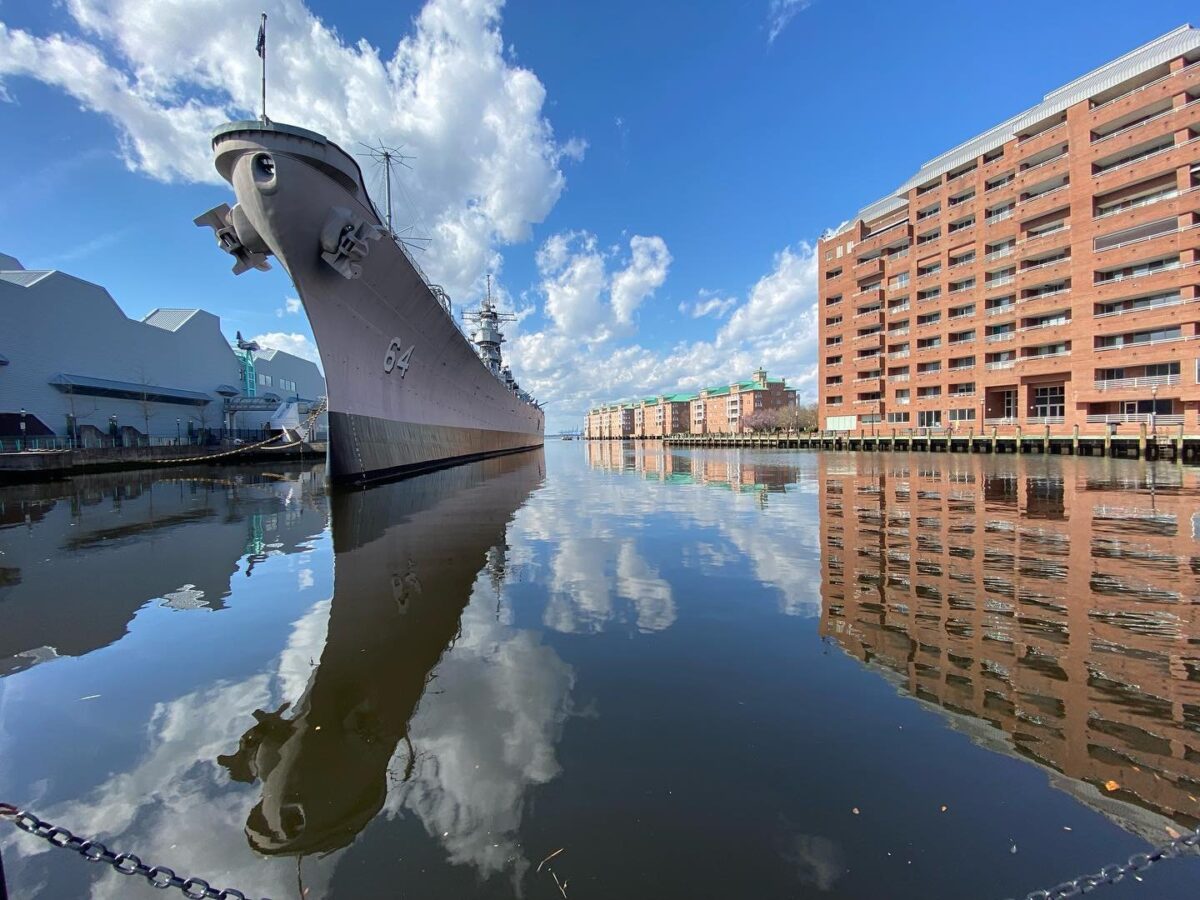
x: 206, y: 457
x: 1111, y: 874
x: 160, y: 877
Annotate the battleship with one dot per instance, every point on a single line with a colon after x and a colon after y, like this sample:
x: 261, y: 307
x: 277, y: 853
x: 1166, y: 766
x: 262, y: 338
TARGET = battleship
x: 406, y: 389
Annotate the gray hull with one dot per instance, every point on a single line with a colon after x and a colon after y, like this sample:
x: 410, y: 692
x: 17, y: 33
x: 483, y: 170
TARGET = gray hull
x: 406, y: 390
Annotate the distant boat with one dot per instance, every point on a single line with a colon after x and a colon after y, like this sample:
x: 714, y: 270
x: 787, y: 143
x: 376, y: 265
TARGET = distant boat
x: 407, y: 390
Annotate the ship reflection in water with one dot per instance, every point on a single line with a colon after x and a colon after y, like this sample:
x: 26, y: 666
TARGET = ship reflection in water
x: 700, y: 672
x: 406, y: 557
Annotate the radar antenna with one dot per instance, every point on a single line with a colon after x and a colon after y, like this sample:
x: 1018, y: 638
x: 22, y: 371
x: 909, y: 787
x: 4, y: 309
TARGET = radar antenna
x: 386, y: 157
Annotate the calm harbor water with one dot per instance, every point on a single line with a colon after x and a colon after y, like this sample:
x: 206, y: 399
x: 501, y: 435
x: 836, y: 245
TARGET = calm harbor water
x: 702, y: 673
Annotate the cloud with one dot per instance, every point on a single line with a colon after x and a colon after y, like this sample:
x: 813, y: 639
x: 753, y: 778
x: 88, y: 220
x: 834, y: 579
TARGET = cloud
x: 780, y: 13
x: 487, y: 162
x: 578, y: 359
x: 708, y: 305
x: 646, y: 272
x: 290, y: 342
x: 583, y: 298
x: 291, y: 307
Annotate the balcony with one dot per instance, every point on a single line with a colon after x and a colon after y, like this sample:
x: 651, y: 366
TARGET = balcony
x: 1136, y: 419
x: 1149, y: 282
x: 868, y: 268
x: 897, y: 332
x: 1060, y: 324
x: 897, y: 285
x: 873, y: 292
x: 1045, y: 420
x: 892, y: 310
x: 1173, y: 202
x: 1000, y: 364
x: 1134, y: 345
x: 1043, y: 239
x: 1001, y: 310
x: 899, y: 354
x: 888, y: 234
x: 1151, y: 92
x: 1035, y: 143
x: 1046, y: 295
x: 895, y: 379
x: 1173, y: 119
x: 1160, y: 161
x: 875, y: 335
x: 1047, y: 201
x: 1139, y: 383
x: 1002, y: 216
x: 1001, y: 253
x: 1000, y: 337
x: 1001, y: 422
x: 1153, y: 304
x: 1056, y: 165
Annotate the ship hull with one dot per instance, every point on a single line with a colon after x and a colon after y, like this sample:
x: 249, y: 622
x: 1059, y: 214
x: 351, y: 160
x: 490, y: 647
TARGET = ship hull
x: 406, y: 391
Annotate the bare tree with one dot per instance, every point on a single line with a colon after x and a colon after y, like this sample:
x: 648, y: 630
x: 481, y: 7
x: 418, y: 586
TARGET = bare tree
x: 145, y: 404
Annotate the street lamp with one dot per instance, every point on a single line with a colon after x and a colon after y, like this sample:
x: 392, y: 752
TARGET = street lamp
x: 22, y: 447
x: 177, y: 431
x: 1153, y: 408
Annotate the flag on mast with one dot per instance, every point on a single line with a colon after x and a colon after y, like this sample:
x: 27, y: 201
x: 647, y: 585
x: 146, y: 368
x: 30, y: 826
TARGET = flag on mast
x: 261, y: 46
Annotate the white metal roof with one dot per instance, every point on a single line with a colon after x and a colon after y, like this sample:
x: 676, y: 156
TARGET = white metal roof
x: 169, y: 319
x: 1184, y: 39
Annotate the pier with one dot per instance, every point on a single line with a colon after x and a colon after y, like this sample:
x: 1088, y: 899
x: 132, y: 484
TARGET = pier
x: 1143, y: 444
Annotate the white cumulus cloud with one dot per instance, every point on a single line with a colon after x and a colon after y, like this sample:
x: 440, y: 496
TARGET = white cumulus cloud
x: 577, y: 360
x: 487, y: 163
x: 290, y: 342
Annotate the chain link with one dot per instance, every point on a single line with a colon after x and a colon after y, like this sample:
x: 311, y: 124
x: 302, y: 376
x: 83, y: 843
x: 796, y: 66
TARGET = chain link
x: 206, y: 457
x: 1115, y: 872
x: 126, y: 863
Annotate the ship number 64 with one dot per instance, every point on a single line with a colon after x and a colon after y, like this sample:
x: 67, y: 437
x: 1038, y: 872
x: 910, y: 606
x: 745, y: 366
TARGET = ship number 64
x: 394, y: 359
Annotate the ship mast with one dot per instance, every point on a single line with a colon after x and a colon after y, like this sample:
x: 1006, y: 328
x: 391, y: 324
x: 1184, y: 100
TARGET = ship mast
x: 487, y: 336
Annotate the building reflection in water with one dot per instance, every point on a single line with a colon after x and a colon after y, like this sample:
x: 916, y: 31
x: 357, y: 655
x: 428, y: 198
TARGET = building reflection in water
x: 750, y: 471
x: 126, y: 537
x: 1053, y: 598
x: 407, y: 556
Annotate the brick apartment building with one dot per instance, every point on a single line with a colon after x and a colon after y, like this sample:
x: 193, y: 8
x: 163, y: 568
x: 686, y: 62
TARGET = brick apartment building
x: 1044, y: 273
x: 723, y: 409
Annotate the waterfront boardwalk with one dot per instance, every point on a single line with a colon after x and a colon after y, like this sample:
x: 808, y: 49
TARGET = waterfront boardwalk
x: 1142, y: 443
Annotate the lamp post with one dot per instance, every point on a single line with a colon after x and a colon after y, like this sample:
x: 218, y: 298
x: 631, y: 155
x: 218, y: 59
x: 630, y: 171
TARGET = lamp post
x: 22, y: 447
x: 1153, y: 409
x: 177, y: 431
x: 112, y: 429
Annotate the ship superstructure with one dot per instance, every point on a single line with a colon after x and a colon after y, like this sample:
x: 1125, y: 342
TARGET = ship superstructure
x: 406, y: 389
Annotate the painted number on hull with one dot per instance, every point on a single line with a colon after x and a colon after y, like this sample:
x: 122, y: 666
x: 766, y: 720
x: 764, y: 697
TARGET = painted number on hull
x: 395, y: 359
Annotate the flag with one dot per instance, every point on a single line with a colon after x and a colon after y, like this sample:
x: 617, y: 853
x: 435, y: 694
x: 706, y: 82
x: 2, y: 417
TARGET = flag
x: 261, y: 44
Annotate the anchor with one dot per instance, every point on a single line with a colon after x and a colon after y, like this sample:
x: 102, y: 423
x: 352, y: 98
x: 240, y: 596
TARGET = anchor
x: 237, y: 237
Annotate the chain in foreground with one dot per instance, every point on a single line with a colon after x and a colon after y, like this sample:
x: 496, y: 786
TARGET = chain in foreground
x: 161, y: 877
x: 126, y: 863
x: 1111, y: 874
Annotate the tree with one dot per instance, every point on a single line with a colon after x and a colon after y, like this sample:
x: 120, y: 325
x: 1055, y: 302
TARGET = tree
x: 145, y: 404
x: 762, y: 420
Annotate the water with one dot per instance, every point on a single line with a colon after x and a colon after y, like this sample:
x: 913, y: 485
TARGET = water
x: 702, y: 673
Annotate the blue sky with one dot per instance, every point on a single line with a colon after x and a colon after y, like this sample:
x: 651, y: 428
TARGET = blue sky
x: 646, y: 184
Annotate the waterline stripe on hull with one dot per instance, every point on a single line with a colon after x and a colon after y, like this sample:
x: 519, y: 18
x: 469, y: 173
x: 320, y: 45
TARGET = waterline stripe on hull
x: 365, y: 448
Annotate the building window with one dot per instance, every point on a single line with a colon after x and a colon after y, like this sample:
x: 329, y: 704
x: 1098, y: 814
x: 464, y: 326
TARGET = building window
x: 264, y: 380
x: 1049, y: 401
x: 962, y: 415
x: 929, y: 418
